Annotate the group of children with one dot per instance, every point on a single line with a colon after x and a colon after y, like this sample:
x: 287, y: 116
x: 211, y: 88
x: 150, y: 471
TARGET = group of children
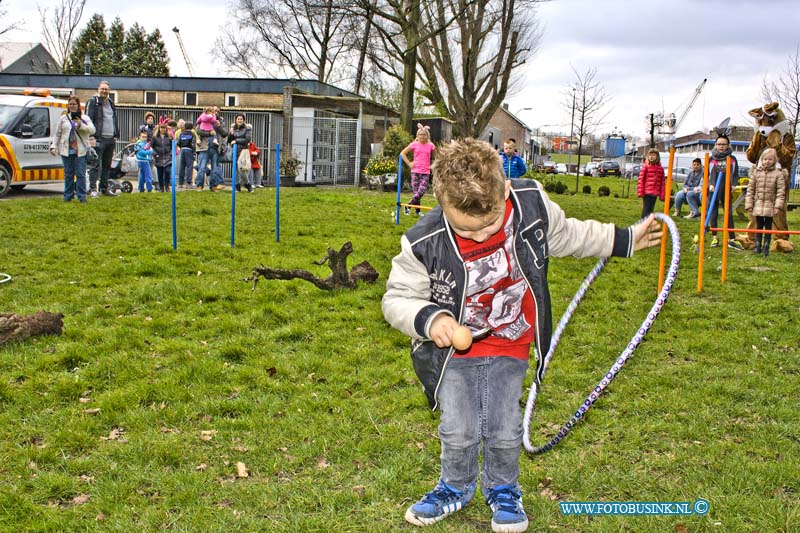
x: 766, y: 190
x: 153, y: 150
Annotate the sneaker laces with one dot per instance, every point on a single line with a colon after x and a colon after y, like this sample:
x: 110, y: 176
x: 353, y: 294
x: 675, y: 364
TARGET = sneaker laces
x: 504, y: 498
x: 442, y: 492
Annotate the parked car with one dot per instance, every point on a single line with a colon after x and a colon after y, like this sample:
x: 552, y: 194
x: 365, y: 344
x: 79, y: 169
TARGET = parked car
x: 589, y: 169
x: 609, y: 168
x: 632, y: 170
x: 549, y: 167
x: 679, y: 174
x: 562, y: 168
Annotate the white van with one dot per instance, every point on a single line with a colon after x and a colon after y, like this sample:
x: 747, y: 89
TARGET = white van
x: 27, y: 125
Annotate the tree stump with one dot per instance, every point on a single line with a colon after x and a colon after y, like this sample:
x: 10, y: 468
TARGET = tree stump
x: 20, y: 327
x: 337, y: 262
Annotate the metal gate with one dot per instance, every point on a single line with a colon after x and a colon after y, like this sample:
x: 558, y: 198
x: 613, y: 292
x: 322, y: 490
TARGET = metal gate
x: 329, y: 149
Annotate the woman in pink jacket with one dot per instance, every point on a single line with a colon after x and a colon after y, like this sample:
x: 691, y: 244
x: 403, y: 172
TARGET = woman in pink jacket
x: 651, y: 182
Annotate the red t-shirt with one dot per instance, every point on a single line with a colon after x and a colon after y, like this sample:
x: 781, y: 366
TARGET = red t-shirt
x: 497, y: 295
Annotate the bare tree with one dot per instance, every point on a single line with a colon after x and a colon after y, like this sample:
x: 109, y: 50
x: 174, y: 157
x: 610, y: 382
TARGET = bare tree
x: 786, y: 89
x: 302, y: 38
x: 467, y: 69
x: 59, y: 28
x: 586, y: 99
x: 8, y: 26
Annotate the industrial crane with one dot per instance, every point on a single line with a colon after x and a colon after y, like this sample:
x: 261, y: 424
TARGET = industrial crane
x: 668, y: 124
x: 183, y: 51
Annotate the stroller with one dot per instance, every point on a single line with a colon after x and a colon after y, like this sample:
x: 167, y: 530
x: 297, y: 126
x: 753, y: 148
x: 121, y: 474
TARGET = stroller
x: 122, y: 163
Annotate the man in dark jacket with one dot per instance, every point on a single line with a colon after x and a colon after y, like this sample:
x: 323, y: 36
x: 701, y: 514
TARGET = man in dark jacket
x: 103, y: 114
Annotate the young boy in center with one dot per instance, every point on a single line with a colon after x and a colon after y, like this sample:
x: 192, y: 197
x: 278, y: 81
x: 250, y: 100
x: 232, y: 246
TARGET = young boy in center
x: 144, y: 155
x: 480, y: 259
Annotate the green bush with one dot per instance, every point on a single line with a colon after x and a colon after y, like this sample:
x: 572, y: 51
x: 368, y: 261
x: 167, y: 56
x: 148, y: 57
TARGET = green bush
x: 603, y: 191
x: 560, y: 188
x: 587, y: 189
x: 395, y: 140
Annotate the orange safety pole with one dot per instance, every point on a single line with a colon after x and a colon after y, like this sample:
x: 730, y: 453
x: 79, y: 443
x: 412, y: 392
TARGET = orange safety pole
x: 725, y: 213
x: 668, y: 192
x: 702, y: 234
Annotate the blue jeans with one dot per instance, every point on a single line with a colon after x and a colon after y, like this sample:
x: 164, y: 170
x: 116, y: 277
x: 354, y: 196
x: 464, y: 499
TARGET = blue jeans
x: 202, y: 168
x: 185, y: 165
x: 164, y: 177
x: 692, y: 198
x: 479, y: 402
x: 74, y: 175
x: 215, y: 177
x: 145, y: 177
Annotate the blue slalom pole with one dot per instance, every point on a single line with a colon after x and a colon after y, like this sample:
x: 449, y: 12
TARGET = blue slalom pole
x: 278, y: 192
x: 174, y: 213
x: 713, y: 199
x: 234, y: 161
x: 399, y: 188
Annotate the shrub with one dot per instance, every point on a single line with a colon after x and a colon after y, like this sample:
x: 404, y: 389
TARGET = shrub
x: 380, y: 164
x: 560, y: 188
x: 395, y: 140
x: 603, y: 191
x: 290, y: 164
x: 587, y: 189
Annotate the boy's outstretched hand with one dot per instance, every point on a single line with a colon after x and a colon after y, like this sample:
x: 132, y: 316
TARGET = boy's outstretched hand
x: 647, y: 233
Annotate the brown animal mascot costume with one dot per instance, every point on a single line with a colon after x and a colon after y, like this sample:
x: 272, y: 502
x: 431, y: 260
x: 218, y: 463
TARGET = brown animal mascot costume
x: 772, y: 131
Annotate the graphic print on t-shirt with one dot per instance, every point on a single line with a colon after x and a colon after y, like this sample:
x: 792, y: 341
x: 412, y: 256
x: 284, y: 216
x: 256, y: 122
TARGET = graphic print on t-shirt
x: 495, y: 286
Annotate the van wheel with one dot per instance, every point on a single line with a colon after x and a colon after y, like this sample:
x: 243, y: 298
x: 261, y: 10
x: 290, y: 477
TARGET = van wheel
x: 5, y: 180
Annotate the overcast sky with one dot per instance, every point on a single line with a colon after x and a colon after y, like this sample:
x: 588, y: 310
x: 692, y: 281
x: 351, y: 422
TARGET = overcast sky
x: 650, y: 55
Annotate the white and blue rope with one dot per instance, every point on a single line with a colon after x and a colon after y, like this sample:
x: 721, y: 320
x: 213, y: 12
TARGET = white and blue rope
x: 621, y: 360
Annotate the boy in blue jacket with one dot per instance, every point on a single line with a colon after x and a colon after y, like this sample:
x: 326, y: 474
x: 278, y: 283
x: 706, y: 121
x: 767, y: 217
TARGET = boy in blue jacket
x: 144, y: 154
x: 513, y: 165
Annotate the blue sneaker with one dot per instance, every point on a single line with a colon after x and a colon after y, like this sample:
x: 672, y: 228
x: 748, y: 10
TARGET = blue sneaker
x: 438, y: 503
x: 508, y: 516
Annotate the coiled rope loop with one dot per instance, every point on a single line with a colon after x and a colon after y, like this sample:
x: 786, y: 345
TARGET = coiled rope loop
x: 620, y: 362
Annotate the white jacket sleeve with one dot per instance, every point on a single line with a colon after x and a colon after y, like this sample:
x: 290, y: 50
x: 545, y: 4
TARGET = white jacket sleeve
x: 407, y: 293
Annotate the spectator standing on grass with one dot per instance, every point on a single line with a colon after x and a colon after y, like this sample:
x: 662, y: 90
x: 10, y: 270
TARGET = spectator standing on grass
x: 215, y: 180
x: 162, y: 151
x: 103, y: 114
x: 71, y: 142
x: 422, y: 149
x: 255, y: 165
x: 241, y: 134
x: 203, y: 149
x: 766, y: 196
x: 716, y: 174
x: 651, y: 182
x: 148, y: 126
x: 144, y: 158
x: 513, y: 165
x: 472, y: 249
x: 186, y: 144
x: 692, y: 191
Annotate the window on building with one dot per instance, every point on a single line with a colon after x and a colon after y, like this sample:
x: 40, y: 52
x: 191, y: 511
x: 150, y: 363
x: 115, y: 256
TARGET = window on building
x: 150, y: 98
x: 232, y: 100
x: 190, y: 99
x: 112, y: 95
x: 39, y: 120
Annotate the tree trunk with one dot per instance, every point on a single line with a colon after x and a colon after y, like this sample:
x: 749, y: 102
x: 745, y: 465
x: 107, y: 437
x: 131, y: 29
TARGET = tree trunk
x: 337, y: 262
x: 20, y: 327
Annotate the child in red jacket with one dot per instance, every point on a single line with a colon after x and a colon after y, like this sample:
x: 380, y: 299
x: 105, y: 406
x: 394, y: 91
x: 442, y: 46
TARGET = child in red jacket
x: 651, y: 182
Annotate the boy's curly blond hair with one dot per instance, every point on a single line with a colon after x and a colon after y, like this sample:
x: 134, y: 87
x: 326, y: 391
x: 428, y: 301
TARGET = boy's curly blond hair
x: 469, y: 177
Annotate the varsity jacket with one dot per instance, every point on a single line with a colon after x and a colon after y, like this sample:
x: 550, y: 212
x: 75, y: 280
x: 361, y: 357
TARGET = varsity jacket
x: 428, y: 277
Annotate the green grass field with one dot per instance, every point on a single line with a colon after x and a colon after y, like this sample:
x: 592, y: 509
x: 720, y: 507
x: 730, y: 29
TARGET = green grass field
x: 171, y: 371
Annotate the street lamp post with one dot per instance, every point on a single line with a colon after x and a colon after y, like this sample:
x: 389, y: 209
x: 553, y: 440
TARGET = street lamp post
x: 569, y: 144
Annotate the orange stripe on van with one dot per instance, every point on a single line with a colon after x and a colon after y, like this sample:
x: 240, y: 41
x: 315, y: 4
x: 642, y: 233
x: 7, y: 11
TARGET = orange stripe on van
x: 8, y: 154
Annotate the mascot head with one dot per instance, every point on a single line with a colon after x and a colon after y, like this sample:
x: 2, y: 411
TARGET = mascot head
x: 768, y: 118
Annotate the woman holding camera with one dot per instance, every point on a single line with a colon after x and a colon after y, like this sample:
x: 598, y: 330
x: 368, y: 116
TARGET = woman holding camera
x: 71, y: 142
